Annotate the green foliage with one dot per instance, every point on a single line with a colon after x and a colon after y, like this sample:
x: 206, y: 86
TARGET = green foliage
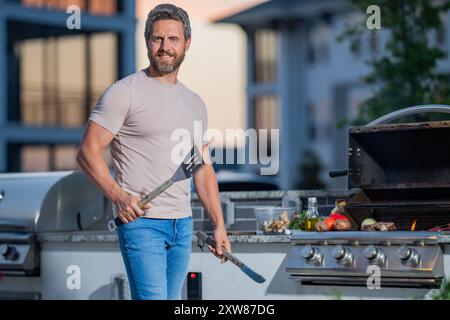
x: 310, y: 169
x: 405, y: 73
x: 444, y: 293
x: 336, y: 295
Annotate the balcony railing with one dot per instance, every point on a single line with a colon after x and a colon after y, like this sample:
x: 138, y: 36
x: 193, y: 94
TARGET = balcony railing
x: 56, y: 108
x: 94, y: 7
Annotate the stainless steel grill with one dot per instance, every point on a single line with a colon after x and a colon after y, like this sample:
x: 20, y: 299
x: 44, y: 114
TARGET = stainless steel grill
x: 400, y: 173
x: 44, y: 202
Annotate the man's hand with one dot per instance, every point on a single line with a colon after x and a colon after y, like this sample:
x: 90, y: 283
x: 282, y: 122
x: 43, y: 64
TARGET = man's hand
x: 128, y: 209
x: 221, y: 239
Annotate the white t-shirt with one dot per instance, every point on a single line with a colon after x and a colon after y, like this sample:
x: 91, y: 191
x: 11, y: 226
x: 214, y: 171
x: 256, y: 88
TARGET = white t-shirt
x: 142, y: 113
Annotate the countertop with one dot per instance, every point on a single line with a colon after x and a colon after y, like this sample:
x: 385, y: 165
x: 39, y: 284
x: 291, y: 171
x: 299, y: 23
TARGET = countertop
x: 106, y: 236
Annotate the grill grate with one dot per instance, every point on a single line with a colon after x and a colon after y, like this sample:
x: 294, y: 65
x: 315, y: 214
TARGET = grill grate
x: 426, y: 214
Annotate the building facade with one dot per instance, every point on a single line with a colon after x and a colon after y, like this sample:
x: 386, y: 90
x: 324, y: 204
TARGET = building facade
x: 305, y: 82
x: 56, y: 58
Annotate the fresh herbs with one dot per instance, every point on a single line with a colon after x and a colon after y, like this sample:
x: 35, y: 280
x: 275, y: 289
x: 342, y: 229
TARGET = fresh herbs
x: 298, y: 221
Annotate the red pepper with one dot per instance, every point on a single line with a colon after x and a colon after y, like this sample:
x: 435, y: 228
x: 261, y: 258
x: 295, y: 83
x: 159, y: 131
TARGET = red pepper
x: 337, y: 216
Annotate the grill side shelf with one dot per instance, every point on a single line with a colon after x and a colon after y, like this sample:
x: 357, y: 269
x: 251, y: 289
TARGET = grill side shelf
x: 365, y: 237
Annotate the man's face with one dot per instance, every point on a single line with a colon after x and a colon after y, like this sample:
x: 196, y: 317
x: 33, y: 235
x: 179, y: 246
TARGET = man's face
x: 167, y: 46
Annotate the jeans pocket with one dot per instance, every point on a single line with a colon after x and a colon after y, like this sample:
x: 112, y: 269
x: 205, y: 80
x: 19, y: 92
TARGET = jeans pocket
x: 131, y: 224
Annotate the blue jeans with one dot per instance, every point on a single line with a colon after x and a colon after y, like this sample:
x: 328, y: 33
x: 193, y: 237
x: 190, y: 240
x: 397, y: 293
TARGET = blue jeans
x: 156, y: 253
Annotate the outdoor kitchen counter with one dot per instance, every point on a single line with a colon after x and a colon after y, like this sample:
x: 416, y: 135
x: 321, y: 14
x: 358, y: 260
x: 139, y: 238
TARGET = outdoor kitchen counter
x: 96, y: 255
x: 107, y: 236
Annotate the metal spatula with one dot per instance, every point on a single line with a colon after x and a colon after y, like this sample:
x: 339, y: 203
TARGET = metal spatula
x: 191, y: 163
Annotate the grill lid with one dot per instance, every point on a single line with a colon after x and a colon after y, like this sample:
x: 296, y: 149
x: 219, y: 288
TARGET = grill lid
x: 402, y: 156
x: 51, y: 202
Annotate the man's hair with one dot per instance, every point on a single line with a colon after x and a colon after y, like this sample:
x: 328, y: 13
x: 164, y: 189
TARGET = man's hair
x: 167, y: 12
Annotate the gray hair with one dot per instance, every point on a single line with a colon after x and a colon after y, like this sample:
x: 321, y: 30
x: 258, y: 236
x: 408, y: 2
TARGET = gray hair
x: 164, y: 12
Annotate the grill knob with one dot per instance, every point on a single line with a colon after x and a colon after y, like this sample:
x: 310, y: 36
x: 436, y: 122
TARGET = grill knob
x: 371, y: 252
x: 404, y: 253
x: 339, y: 252
x: 311, y: 254
x: 342, y: 255
x: 10, y: 253
x: 374, y: 255
x: 308, y: 252
x: 408, y: 256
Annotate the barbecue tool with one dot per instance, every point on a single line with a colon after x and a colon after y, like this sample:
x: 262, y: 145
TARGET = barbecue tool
x: 203, y: 238
x: 191, y: 163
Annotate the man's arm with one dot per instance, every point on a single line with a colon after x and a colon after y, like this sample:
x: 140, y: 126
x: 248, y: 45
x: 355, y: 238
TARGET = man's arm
x: 207, y: 189
x: 90, y: 159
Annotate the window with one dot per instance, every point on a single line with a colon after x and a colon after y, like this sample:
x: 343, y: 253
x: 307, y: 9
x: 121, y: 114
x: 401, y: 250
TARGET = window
x: 46, y: 157
x: 266, y: 56
x: 41, y: 157
x: 356, y: 47
x: 95, y: 7
x: 374, y: 42
x: 34, y: 159
x: 61, y: 78
x: 318, y: 43
x: 441, y: 34
x: 312, y: 129
x: 355, y: 20
x: 266, y: 116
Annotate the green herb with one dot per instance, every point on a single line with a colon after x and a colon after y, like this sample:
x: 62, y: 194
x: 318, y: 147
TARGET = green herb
x: 298, y: 221
x: 444, y: 292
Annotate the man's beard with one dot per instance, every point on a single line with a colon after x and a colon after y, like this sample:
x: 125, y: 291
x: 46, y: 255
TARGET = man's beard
x: 165, y: 67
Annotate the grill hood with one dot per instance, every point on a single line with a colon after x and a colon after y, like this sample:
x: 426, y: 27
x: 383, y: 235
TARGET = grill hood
x: 51, y: 202
x: 401, y: 174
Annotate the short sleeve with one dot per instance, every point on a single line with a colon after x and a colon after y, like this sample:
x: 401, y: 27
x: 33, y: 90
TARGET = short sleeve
x: 112, y: 108
x: 204, y: 119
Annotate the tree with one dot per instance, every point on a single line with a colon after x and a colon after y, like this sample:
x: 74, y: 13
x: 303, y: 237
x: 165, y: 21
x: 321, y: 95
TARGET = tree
x: 406, y: 72
x: 310, y: 169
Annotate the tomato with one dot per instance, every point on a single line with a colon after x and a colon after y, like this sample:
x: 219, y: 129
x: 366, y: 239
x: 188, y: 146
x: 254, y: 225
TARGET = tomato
x: 337, y: 216
x: 329, y: 222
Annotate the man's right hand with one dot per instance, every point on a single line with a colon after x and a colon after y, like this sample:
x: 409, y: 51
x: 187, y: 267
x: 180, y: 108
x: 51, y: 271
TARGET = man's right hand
x: 128, y: 209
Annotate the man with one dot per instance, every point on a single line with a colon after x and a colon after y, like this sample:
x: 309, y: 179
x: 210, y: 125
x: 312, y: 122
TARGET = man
x: 137, y: 116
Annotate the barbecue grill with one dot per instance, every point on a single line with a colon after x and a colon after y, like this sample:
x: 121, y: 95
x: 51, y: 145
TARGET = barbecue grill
x: 401, y: 174
x: 44, y: 202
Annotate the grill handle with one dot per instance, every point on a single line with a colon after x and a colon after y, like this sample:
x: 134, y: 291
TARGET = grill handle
x: 338, y: 173
x: 427, y: 108
x: 12, y: 224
